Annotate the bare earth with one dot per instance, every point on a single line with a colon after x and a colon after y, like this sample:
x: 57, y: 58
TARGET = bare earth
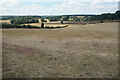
x: 77, y: 51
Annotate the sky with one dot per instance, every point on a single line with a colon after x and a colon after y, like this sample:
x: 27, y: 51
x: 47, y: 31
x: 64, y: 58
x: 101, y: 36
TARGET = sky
x: 57, y: 7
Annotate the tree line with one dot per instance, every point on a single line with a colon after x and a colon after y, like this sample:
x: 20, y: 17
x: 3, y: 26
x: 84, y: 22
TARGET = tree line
x: 24, y: 20
x: 6, y: 25
x: 34, y: 19
x: 107, y: 16
x: 54, y: 18
x: 13, y: 17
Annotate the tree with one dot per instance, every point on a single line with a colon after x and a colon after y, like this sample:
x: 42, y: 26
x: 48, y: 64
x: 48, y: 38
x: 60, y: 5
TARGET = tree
x: 61, y: 21
x: 42, y: 25
x: 65, y: 19
x: 117, y: 14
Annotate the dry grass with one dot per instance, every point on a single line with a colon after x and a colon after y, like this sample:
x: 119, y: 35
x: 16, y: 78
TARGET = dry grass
x: 7, y: 21
x: 77, y: 51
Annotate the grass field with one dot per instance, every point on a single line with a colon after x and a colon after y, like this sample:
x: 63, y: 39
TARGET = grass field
x: 77, y: 51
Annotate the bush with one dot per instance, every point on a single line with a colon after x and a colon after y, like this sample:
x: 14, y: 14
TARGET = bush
x: 61, y: 22
x: 42, y: 25
x: 84, y: 24
x: 101, y: 21
x: 6, y: 25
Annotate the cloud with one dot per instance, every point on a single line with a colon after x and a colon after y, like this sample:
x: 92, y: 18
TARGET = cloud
x: 71, y: 7
x: 111, y: 0
x: 75, y: 7
x: 33, y: 9
x: 6, y: 6
x: 96, y: 2
x: 58, y: 0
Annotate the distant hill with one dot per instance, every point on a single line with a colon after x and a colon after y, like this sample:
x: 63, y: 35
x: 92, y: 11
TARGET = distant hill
x: 80, y: 15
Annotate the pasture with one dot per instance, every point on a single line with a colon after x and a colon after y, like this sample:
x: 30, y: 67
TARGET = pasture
x: 77, y: 51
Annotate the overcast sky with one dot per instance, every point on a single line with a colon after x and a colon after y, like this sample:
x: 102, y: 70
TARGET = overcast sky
x: 57, y: 7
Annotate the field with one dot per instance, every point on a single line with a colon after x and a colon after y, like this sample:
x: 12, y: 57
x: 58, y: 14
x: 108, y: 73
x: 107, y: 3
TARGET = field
x: 7, y: 21
x: 77, y: 51
x: 47, y: 24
